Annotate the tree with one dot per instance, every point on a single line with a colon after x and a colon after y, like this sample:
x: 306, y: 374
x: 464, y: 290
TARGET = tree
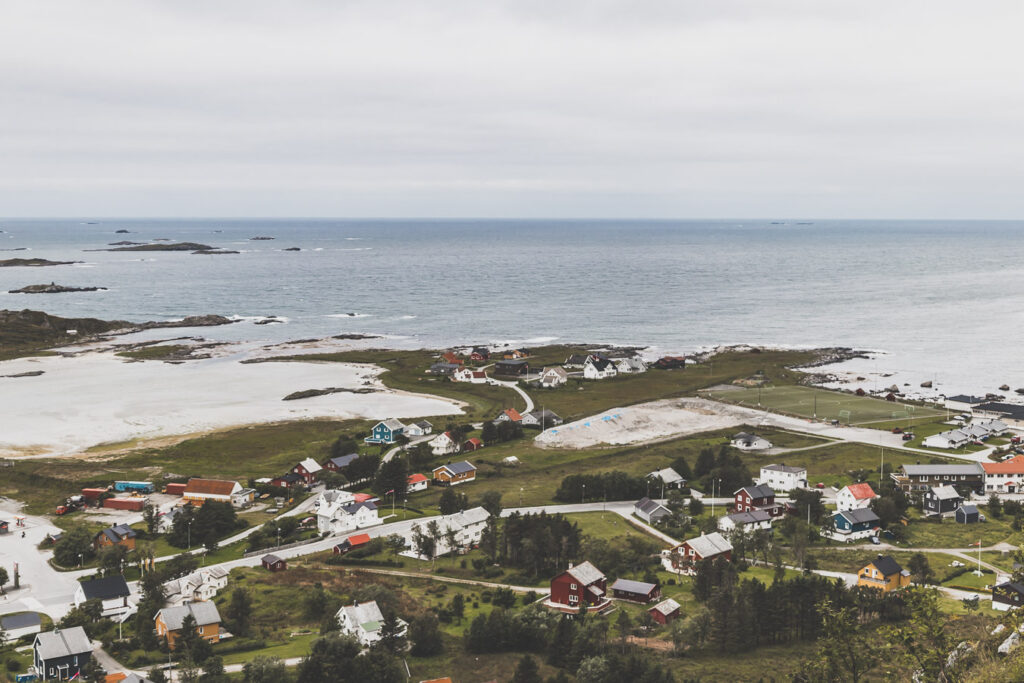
x: 213, y: 670
x: 705, y: 463
x: 920, y: 569
x: 424, y: 543
x: 695, y: 507
x: 489, y: 434
x: 425, y: 634
x: 624, y: 625
x: 808, y: 501
x: 491, y: 501
x: 972, y: 603
x: 3, y: 579
x: 451, y: 502
x: 189, y: 645
x: 265, y: 670
x: 527, y: 671
x: 457, y: 607
x: 113, y: 559
x: 392, y: 634
x: 239, y: 611
x: 451, y: 539
x: 995, y: 506
x: 74, y: 547
x: 926, y: 637
x: 150, y: 517
x: 393, y: 478
x: 342, y: 446
x: 593, y: 670
x: 844, y: 652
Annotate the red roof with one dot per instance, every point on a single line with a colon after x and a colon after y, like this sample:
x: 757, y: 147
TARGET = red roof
x: 358, y: 539
x: 861, y: 491
x: 416, y: 478
x: 475, y: 441
x: 218, y: 487
x: 362, y: 497
x: 1014, y: 465
x: 514, y: 415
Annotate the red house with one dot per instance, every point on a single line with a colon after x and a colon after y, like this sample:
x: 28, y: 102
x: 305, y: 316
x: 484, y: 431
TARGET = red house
x: 473, y: 444
x: 450, y: 357
x: 665, y: 612
x: 683, y: 558
x: 273, y: 563
x: 351, y: 543
x: 581, y: 584
x: 308, y: 469
x: 480, y: 353
x: 635, y: 591
x: 761, y: 497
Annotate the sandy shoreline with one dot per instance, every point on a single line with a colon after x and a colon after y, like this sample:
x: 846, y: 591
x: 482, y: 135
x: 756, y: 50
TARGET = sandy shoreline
x: 95, y: 398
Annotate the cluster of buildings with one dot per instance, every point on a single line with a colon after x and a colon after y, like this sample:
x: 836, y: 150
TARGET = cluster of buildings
x: 1004, y: 477
x: 978, y: 431
x: 584, y: 586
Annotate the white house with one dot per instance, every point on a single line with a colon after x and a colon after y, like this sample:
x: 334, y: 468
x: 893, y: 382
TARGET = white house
x: 468, y: 526
x: 750, y: 442
x: 541, y: 419
x: 111, y: 591
x: 854, y: 497
x: 551, y: 378
x: 333, y: 497
x: 165, y: 522
x: 651, y: 511
x: 630, y: 366
x: 202, y: 584
x: 669, y: 477
x: 954, y: 438
x: 1006, y: 476
x: 598, y: 368
x: 469, y: 375
x: 784, y: 477
x: 417, y: 429
x: 339, y: 518
x: 417, y: 482
x: 364, y: 621
x: 444, y: 444
x: 745, y: 521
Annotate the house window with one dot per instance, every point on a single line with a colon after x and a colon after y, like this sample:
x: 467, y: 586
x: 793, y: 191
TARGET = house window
x: 572, y: 586
x: 573, y: 598
x: 925, y: 478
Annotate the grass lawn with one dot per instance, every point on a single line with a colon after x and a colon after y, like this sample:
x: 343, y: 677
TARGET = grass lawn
x: 832, y: 464
x: 970, y: 581
x: 949, y: 534
x: 808, y: 401
x: 609, y: 525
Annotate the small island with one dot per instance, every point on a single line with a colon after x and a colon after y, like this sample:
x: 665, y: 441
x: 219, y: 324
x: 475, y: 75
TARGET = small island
x: 53, y: 288
x: 259, y: 238
x: 171, y: 246
x: 214, y: 252
x: 33, y: 262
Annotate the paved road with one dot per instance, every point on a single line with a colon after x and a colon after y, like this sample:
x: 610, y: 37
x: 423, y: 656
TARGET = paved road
x: 514, y: 386
x: 394, y: 451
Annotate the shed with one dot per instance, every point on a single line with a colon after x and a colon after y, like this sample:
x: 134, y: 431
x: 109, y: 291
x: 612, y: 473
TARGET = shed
x: 665, y: 611
x: 968, y: 514
x: 636, y: 591
x: 273, y: 563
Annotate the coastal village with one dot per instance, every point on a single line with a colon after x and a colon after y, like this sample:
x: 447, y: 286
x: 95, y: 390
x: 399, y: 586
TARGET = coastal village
x: 694, y: 517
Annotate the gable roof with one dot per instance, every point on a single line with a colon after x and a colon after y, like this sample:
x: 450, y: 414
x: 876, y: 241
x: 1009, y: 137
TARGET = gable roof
x: 707, y: 545
x: 963, y: 398
x: 271, y: 558
x: 945, y: 492
x: 861, y: 491
x: 968, y: 509
x: 311, y: 465
x: 759, y: 491
x: 353, y: 508
x: 392, y: 423
x: 106, y: 588
x: 647, y: 506
x: 959, y: 469
x: 204, y: 612
x: 218, y: 487
x: 343, y: 460
x: 1014, y: 586
x: 62, y: 642
x: 1014, y: 465
x: 358, y: 539
x: 365, y: 615
x: 416, y: 478
x: 599, y: 363
x: 630, y: 586
x: 461, y: 467
x: 544, y: 415
x: 887, y: 565
x: 118, y: 533
x: 667, y: 606
x: 667, y: 475
x: 513, y: 414
x: 789, y: 469
x: 585, y: 573
x: 859, y: 516
x: 752, y: 517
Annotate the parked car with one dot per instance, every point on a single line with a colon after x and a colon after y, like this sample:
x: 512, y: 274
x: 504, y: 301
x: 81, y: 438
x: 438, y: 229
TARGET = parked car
x: 874, y: 539
x: 819, y: 485
x: 897, y: 430
x: 908, y: 436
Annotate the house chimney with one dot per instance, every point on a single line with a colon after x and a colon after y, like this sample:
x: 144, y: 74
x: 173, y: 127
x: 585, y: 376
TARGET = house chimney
x: 570, y: 565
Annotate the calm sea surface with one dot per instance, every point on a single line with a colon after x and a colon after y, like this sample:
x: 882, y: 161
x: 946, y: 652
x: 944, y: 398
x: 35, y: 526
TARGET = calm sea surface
x: 944, y: 300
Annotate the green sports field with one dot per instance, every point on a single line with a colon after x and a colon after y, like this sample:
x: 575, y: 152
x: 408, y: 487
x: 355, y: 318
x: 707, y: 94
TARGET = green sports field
x: 828, y: 405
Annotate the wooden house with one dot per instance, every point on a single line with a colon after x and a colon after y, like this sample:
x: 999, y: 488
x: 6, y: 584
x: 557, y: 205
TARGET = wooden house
x: 169, y: 621
x: 665, y: 612
x: 968, y: 514
x: 118, y: 534
x: 473, y: 444
x: 883, y: 573
x: 480, y: 354
x: 1007, y: 595
x: 308, y: 469
x: 635, y: 591
x: 582, y: 584
x: 454, y: 473
x: 513, y: 368
x: 273, y: 563
x: 684, y: 557
x: 670, y: 362
x: 941, y: 501
x: 760, y: 497
x: 340, y: 462
x: 386, y: 432
x: 61, y: 654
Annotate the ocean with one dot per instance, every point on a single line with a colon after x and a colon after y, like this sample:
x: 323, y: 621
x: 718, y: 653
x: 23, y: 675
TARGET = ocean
x: 939, y: 300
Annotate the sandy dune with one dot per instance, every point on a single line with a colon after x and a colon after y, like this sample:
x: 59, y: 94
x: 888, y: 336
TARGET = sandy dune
x: 644, y: 422
x: 97, y: 398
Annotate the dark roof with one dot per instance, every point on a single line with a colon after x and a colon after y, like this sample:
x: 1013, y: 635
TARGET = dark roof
x: 1012, y: 586
x: 13, y: 621
x: 459, y: 467
x: 271, y: 559
x: 759, y: 491
x: 859, y: 515
x: 599, y: 362
x: 513, y: 363
x: 290, y: 477
x: 964, y: 398
x: 968, y: 509
x: 648, y: 506
x: 887, y: 565
x: 629, y: 586
x: 118, y: 533
x: 1008, y: 409
x: 106, y: 589
x: 951, y: 469
x: 344, y: 460
x: 353, y: 508
x: 576, y: 359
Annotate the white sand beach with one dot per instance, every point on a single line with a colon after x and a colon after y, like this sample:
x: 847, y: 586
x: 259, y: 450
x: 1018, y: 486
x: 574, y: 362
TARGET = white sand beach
x: 97, y: 398
x: 643, y: 422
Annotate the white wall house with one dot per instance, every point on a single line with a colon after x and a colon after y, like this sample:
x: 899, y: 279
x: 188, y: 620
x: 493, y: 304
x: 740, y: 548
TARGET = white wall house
x: 203, y: 584
x: 418, y: 429
x: 745, y: 521
x: 111, y: 591
x: 444, y: 444
x: 551, y: 378
x: 598, y: 368
x: 364, y: 621
x: 1004, y: 477
x: 954, y: 438
x: 470, y: 375
x: 340, y: 518
x: 783, y: 477
x: 854, y: 497
x: 468, y: 525
x: 630, y: 366
x: 750, y: 442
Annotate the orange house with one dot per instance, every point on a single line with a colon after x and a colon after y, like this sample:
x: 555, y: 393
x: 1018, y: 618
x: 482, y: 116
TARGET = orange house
x: 118, y: 534
x: 884, y: 573
x: 454, y: 473
x: 169, y: 621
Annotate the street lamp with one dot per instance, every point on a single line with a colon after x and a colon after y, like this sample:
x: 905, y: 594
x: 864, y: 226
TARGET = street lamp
x: 189, y: 525
x: 583, y: 496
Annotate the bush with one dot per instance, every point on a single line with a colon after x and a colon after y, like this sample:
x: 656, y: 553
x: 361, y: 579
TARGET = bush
x: 13, y: 665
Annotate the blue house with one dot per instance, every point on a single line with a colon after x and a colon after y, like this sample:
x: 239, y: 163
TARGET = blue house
x: 61, y: 653
x: 386, y: 432
x: 855, y: 521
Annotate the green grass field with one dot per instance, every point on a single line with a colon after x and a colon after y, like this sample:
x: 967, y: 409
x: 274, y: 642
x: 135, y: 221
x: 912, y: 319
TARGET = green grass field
x: 829, y: 405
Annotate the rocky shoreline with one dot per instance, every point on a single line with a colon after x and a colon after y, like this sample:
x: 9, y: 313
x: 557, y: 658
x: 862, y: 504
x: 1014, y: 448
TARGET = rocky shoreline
x: 33, y: 262
x: 311, y: 393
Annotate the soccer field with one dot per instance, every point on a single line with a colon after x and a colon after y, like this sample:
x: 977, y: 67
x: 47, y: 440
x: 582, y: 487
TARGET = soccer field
x: 829, y: 405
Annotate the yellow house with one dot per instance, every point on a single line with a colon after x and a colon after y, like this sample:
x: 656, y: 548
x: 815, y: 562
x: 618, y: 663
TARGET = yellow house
x: 883, y: 573
x: 169, y: 621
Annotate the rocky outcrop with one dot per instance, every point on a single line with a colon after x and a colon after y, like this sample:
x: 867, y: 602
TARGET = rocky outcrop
x: 259, y: 238
x: 53, y: 288
x: 30, y: 373
x: 124, y: 243
x: 214, y: 252
x: 170, y: 246
x: 355, y: 336
x: 292, y: 249
x: 121, y: 232
x: 310, y: 393
x: 34, y: 262
x: 190, y: 321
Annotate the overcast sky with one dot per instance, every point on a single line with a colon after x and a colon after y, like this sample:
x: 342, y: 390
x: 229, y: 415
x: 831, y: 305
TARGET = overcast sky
x: 524, y: 108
